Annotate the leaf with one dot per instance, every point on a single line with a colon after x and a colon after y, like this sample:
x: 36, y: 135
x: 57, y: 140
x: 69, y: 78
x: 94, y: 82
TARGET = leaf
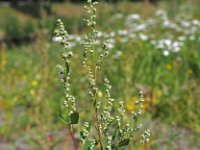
x: 116, y: 133
x: 124, y: 142
x: 74, y: 117
x: 113, y: 147
x: 62, y: 118
x: 53, y: 146
x: 67, y: 68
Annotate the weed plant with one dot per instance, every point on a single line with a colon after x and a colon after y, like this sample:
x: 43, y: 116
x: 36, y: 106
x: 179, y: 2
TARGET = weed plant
x: 110, y: 128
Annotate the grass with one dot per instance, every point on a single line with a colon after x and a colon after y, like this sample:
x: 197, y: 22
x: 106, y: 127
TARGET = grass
x: 170, y: 83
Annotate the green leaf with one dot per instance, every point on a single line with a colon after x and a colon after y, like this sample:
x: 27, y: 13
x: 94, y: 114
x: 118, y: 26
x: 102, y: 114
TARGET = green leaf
x: 67, y: 68
x: 74, y: 117
x: 124, y: 142
x: 115, y: 134
x: 62, y: 118
x: 113, y: 147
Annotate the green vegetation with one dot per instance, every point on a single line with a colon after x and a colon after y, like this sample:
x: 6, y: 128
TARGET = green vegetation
x: 112, y: 131
x: 156, y: 52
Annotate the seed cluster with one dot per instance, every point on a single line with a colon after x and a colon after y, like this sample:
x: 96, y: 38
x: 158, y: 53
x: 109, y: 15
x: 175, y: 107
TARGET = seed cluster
x: 112, y: 128
x: 64, y: 70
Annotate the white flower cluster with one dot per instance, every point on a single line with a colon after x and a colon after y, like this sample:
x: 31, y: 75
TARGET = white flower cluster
x: 173, y: 37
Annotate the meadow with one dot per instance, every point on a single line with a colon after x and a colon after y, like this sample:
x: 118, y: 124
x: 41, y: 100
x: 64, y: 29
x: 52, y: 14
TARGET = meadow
x: 154, y: 48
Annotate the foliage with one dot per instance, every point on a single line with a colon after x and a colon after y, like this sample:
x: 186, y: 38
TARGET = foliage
x: 15, y: 30
x: 150, y: 50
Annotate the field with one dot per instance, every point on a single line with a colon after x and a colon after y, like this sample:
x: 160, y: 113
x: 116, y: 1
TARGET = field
x: 153, y: 47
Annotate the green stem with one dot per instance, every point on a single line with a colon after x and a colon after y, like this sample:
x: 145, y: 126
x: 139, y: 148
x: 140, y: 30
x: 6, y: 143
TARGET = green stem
x: 95, y: 96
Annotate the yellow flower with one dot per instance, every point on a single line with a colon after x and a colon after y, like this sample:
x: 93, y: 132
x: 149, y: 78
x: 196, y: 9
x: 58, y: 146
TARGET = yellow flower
x: 190, y: 72
x: 32, y: 92
x: 156, y: 94
x: 168, y: 67
x: 34, y: 83
x: 130, y: 105
x: 4, y: 62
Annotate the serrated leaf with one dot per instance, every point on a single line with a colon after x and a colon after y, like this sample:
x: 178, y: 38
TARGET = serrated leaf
x: 124, y: 142
x: 74, y: 117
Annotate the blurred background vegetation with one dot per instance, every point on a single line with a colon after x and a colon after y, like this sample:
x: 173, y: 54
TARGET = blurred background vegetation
x: 30, y: 92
